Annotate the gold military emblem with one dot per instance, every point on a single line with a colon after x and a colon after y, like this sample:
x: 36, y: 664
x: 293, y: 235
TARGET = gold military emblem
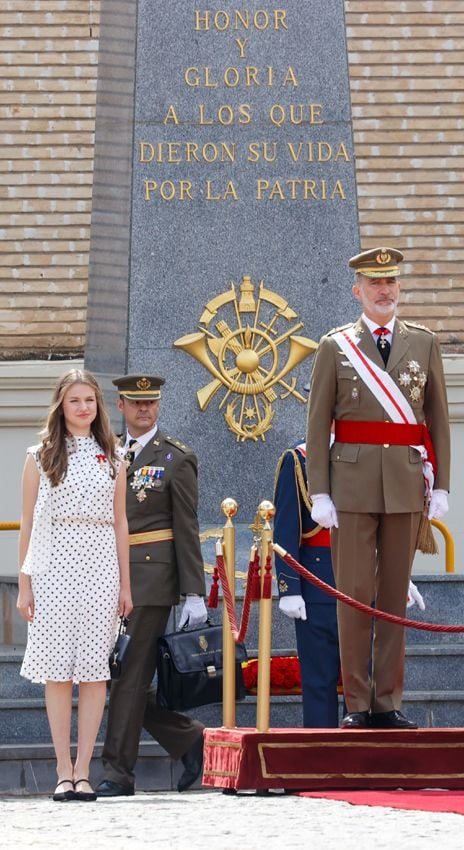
x: 144, y: 384
x: 248, y: 343
x: 203, y: 643
x: 383, y: 257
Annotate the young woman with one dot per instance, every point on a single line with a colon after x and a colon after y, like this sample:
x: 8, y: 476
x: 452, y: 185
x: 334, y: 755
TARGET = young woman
x: 74, y: 568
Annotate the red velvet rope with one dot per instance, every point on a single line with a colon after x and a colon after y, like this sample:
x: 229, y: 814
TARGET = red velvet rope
x: 238, y: 634
x: 360, y: 606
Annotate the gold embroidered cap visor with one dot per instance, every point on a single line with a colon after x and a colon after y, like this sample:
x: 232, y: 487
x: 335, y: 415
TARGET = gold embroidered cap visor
x: 139, y: 387
x: 378, y: 262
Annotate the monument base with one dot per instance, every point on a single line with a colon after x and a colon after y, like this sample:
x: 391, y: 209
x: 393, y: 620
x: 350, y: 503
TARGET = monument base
x: 316, y: 759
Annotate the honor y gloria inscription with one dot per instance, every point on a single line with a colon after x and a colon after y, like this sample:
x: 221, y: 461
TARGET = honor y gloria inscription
x: 242, y: 28
x: 223, y: 151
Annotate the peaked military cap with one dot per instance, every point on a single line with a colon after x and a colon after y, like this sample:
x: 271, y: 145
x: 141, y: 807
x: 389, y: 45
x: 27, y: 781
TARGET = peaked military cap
x: 378, y: 262
x: 139, y: 387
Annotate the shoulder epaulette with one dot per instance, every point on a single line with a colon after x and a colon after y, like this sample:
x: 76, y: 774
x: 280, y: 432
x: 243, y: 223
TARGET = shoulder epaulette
x: 416, y: 325
x: 341, y: 328
x: 177, y: 443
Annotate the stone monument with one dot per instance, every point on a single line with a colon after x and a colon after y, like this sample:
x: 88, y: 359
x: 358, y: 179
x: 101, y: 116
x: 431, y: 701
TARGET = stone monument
x: 224, y: 213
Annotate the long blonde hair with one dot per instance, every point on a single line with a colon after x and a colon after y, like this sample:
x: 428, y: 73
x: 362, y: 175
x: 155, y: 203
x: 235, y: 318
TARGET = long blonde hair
x: 53, y: 451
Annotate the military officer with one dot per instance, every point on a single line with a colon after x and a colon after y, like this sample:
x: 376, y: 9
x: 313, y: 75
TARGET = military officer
x: 381, y: 379
x: 313, y: 611
x: 165, y: 564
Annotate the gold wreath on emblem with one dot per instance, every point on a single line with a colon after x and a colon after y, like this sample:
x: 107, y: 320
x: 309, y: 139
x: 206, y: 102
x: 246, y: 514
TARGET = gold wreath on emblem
x: 249, y: 345
x: 144, y: 384
x: 203, y: 643
x: 383, y: 258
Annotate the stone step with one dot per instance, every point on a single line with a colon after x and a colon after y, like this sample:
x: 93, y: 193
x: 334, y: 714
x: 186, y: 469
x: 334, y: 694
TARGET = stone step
x: 443, y: 595
x: 428, y: 666
x: 29, y: 768
x: 431, y: 666
x: 25, y: 722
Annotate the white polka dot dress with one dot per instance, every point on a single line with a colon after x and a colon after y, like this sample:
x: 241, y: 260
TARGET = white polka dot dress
x: 76, y: 598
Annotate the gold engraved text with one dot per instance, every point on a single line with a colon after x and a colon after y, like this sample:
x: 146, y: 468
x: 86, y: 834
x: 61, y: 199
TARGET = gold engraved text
x: 240, y: 19
x: 232, y: 77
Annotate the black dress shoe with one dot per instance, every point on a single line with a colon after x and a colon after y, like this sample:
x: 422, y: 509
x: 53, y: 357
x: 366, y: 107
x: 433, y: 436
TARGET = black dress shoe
x: 193, y: 763
x: 391, y: 720
x: 107, y: 788
x: 356, y: 720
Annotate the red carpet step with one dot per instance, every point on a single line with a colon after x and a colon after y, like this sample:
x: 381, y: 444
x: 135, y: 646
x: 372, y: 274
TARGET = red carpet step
x: 323, y: 759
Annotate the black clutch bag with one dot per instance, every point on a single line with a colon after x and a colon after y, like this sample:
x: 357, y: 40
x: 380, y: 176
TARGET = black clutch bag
x: 190, y: 668
x: 118, y: 656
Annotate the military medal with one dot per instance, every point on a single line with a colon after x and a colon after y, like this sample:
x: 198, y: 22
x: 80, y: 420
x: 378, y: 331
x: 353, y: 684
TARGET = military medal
x: 146, y: 478
x: 405, y: 379
x: 382, y: 340
x: 414, y: 380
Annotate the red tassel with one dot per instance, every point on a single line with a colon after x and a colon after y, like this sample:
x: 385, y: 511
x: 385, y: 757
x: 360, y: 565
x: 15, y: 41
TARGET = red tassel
x: 214, y: 590
x: 267, y: 583
x: 255, y: 579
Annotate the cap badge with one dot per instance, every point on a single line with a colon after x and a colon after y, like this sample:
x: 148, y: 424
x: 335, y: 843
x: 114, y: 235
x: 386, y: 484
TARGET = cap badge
x: 383, y: 258
x: 144, y: 384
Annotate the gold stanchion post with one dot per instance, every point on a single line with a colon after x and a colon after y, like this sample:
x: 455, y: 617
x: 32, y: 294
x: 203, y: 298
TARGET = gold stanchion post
x: 266, y: 511
x: 229, y: 508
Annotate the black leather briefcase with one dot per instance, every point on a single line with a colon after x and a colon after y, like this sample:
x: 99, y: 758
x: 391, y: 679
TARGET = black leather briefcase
x: 190, y: 668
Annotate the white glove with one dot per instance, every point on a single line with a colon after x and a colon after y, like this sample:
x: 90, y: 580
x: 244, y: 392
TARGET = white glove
x: 438, y: 504
x: 414, y: 596
x: 324, y: 511
x: 293, y: 606
x: 193, y: 613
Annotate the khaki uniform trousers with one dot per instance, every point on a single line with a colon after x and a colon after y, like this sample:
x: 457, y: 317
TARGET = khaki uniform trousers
x: 133, y: 703
x: 372, y: 560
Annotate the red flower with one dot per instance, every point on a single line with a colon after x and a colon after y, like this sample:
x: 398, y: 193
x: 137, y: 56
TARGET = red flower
x: 101, y: 458
x: 285, y: 674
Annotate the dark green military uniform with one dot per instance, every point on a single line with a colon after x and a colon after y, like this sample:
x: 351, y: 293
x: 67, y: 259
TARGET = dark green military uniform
x: 165, y: 563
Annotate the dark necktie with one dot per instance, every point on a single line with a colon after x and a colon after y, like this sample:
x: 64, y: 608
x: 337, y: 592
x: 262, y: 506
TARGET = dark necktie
x: 130, y: 453
x: 382, y: 343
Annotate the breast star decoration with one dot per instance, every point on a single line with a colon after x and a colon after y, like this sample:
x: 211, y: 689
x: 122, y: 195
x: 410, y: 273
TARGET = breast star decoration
x: 413, y: 379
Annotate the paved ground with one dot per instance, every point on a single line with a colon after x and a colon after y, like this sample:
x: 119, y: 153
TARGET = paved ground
x: 210, y: 820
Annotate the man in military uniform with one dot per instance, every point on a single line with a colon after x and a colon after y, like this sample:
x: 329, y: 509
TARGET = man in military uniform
x: 165, y: 563
x: 381, y: 380
x: 314, y: 612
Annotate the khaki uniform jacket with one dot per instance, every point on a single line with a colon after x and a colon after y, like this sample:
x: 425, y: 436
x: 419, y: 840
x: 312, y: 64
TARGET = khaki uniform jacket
x: 374, y: 478
x: 162, y: 571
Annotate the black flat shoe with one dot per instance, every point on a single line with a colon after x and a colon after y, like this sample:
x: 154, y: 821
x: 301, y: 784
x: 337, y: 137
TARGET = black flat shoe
x: 391, y: 720
x: 193, y: 763
x: 64, y: 796
x: 107, y: 788
x: 356, y: 720
x: 84, y: 796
